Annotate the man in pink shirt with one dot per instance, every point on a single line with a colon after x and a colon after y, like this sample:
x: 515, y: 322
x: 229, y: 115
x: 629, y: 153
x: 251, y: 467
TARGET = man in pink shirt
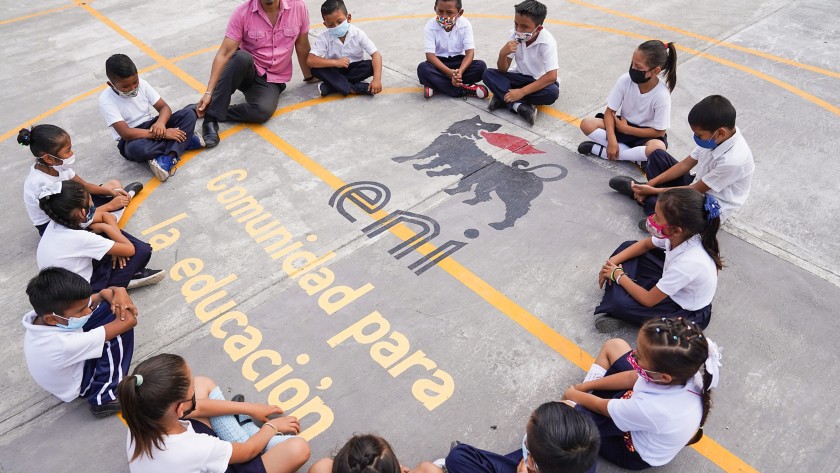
x: 256, y: 58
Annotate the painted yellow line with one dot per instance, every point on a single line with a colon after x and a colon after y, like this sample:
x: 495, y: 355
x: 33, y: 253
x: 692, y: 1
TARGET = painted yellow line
x: 711, y: 40
x: 34, y: 15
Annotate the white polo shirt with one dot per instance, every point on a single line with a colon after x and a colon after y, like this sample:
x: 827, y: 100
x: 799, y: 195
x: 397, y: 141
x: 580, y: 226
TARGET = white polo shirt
x: 728, y: 171
x: 73, y: 250
x: 652, y: 109
x: 660, y: 419
x: 132, y: 111
x: 444, y: 43
x: 32, y: 186
x: 355, y: 45
x: 538, y: 58
x: 56, y: 357
x: 690, y: 275
x: 187, y: 452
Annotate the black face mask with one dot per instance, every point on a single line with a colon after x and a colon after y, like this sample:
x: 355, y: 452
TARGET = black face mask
x: 638, y: 76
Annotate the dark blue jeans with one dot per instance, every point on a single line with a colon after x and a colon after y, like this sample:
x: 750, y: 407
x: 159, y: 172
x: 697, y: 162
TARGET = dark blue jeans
x: 145, y: 149
x: 341, y: 79
x: 500, y: 84
x: 430, y: 76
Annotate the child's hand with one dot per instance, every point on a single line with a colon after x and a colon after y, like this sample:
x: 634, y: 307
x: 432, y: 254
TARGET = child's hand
x: 514, y: 95
x: 510, y: 47
x: 606, y: 271
x: 571, y: 392
x: 120, y: 200
x: 286, y: 425
x: 263, y: 411
x: 642, y: 190
x: 122, y: 304
x: 622, y: 126
x: 157, y: 131
x: 176, y: 134
x: 522, y: 467
x: 612, y: 151
x: 119, y: 261
x: 342, y: 62
x: 375, y: 86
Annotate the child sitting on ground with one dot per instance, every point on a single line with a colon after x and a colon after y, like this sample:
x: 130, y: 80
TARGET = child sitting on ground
x: 338, y: 56
x: 722, y: 161
x: 450, y: 66
x: 159, y: 141
x: 532, y: 80
x: 650, y: 402
x: 176, y: 423
x: 78, y: 343
x: 362, y: 453
x: 54, y: 155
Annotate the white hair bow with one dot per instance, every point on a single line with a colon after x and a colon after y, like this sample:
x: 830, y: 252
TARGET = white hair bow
x: 712, y: 365
x: 50, y: 189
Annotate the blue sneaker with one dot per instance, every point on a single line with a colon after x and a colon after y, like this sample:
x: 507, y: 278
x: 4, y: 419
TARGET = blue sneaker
x: 161, y: 167
x: 196, y: 142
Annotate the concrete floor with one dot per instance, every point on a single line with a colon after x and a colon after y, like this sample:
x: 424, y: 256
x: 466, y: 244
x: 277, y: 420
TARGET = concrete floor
x: 508, y: 316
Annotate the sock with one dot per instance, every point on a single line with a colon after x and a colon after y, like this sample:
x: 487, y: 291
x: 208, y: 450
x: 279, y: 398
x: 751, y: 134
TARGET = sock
x: 516, y: 106
x: 636, y: 153
x: 226, y: 427
x: 595, y: 372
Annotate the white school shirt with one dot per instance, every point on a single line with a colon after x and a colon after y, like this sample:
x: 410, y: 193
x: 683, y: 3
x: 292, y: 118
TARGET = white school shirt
x: 356, y: 44
x: 728, y: 171
x: 690, y: 275
x: 133, y: 111
x: 660, y: 419
x: 56, y: 357
x: 538, y: 58
x: 652, y: 109
x: 32, y: 186
x: 189, y: 452
x: 73, y: 250
x: 444, y: 43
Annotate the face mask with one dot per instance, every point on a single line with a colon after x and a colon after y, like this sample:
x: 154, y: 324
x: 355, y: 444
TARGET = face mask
x: 655, y: 230
x: 643, y: 373
x: 708, y: 144
x: 524, y: 37
x: 446, y: 22
x: 126, y: 95
x: 526, y: 453
x: 65, y: 163
x: 89, y: 218
x: 638, y: 76
x: 340, y: 30
x: 73, y: 323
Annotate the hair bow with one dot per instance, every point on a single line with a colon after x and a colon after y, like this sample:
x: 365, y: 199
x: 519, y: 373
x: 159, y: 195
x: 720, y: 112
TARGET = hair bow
x: 712, y: 206
x: 712, y: 366
x: 50, y: 189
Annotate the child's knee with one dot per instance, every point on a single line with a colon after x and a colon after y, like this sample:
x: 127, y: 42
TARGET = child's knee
x: 203, y: 387
x: 323, y: 465
x: 297, y: 449
x: 589, y: 124
x: 653, y: 145
x: 615, y: 347
x: 426, y: 467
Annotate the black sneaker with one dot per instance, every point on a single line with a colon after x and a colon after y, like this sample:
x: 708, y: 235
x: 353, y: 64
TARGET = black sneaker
x: 210, y: 132
x: 361, y: 88
x: 528, y: 112
x: 105, y: 410
x: 147, y: 277
x: 643, y: 225
x: 622, y: 184
x: 133, y: 189
x: 606, y: 324
x: 454, y: 444
x: 496, y: 103
x: 325, y: 89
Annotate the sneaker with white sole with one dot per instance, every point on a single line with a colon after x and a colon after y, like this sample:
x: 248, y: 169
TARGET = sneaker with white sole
x: 147, y: 277
x: 161, y: 166
x: 428, y: 92
x: 196, y: 142
x: 475, y: 90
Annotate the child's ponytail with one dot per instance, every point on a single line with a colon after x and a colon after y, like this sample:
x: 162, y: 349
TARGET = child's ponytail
x: 696, y: 214
x: 366, y: 454
x: 663, y: 55
x: 711, y: 210
x: 671, y: 67
x: 61, y: 199
x: 146, y: 395
x: 42, y: 139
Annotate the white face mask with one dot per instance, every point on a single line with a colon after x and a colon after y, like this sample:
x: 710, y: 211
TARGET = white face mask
x: 65, y: 163
x: 524, y: 37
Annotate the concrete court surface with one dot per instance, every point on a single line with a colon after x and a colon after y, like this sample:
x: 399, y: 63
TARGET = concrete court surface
x: 502, y: 324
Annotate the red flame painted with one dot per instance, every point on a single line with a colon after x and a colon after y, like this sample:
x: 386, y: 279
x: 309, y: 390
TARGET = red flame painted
x: 511, y: 143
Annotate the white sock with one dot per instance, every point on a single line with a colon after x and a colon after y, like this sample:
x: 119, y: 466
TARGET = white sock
x: 595, y: 372
x: 516, y: 106
x: 631, y: 154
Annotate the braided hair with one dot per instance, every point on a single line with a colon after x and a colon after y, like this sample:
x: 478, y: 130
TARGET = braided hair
x: 60, y: 207
x: 366, y: 453
x: 43, y: 139
x: 679, y: 348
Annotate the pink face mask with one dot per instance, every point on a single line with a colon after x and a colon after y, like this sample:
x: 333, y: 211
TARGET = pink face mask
x: 643, y: 373
x: 655, y: 230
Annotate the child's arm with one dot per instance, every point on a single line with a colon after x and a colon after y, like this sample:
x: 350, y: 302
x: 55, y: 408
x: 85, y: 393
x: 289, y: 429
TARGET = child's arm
x: 676, y: 171
x: 503, y: 62
x: 243, y: 452
x: 109, y: 228
x: 614, y: 382
x: 469, y: 56
x: 159, y: 130
x: 320, y: 62
x: 121, y: 303
x: 624, y: 127
x: 544, y: 81
x: 609, y: 127
x: 589, y: 401
x: 439, y: 65
x: 120, y: 200
x: 647, y: 298
x: 213, y: 408
x: 376, y: 82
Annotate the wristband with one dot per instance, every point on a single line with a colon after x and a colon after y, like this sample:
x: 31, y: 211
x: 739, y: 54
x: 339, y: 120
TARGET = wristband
x: 208, y: 93
x: 618, y: 279
x: 612, y: 273
x: 273, y: 427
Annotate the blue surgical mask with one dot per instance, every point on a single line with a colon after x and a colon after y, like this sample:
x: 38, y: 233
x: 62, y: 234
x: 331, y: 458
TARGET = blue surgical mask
x: 89, y: 218
x: 708, y: 144
x: 73, y: 323
x: 340, y: 30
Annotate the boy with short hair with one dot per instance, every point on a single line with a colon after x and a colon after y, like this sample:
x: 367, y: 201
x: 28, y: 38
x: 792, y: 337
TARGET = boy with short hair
x: 450, y: 66
x: 532, y: 80
x: 142, y: 137
x: 338, y: 56
x: 75, y: 345
x: 722, y: 161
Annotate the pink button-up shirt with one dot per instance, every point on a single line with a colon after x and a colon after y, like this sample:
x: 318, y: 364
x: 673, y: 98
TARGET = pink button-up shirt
x: 271, y: 46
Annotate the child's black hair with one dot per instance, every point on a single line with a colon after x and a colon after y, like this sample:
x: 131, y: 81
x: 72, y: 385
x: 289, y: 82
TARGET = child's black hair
x: 533, y: 10
x: 686, y: 208
x: 54, y: 289
x: 60, y: 207
x: 660, y: 54
x: 119, y: 66
x: 366, y: 454
x: 711, y: 113
x: 43, y: 139
x: 458, y: 3
x: 165, y: 382
x: 562, y: 439
x: 677, y: 347
x: 332, y: 6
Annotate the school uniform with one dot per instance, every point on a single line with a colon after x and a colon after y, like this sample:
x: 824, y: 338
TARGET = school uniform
x: 468, y: 459
x: 85, y: 253
x: 648, y: 425
x: 686, y: 274
x: 450, y: 48
x: 197, y: 449
x: 530, y: 62
x: 356, y: 44
x: 136, y: 112
x: 80, y: 363
x: 727, y: 170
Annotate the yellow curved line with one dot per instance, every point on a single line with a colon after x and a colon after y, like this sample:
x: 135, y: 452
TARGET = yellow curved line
x: 711, y: 40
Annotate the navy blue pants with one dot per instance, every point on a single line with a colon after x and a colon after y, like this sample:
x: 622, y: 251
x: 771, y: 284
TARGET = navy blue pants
x: 468, y: 459
x: 102, y: 375
x: 341, y: 79
x: 261, y: 96
x: 613, y: 445
x: 145, y: 149
x: 646, y: 270
x: 658, y: 162
x: 500, y: 84
x: 104, y: 276
x: 430, y: 76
